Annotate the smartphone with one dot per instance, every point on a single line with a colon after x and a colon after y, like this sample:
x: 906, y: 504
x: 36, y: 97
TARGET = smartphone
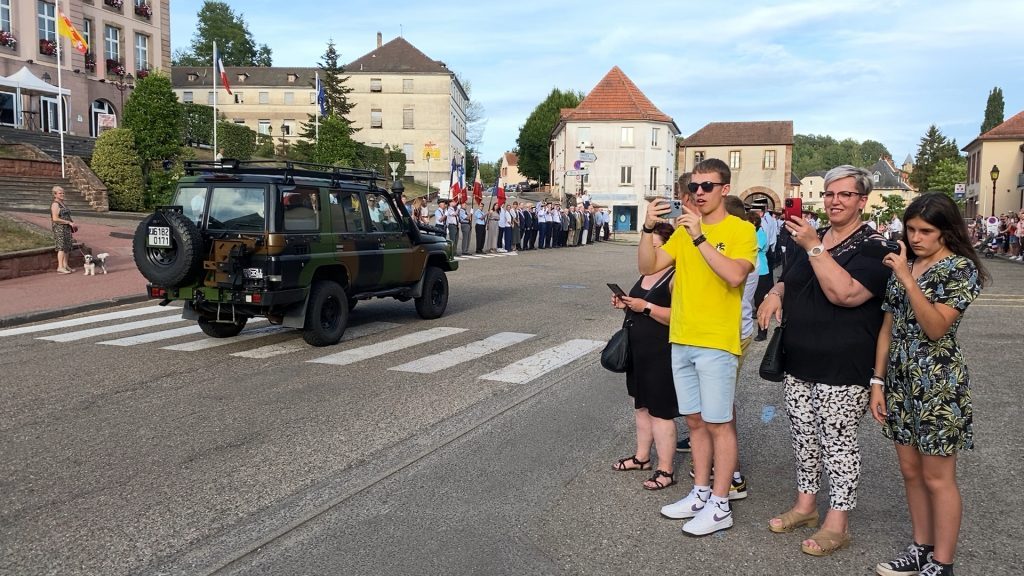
x: 879, y: 248
x: 616, y: 290
x: 793, y: 207
x: 676, y: 211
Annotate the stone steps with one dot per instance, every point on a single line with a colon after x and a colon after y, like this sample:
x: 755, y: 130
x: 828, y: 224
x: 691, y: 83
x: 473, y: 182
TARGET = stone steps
x: 35, y: 194
x: 50, y: 143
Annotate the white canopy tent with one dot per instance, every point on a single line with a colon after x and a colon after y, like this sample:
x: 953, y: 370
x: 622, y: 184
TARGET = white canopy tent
x: 25, y: 82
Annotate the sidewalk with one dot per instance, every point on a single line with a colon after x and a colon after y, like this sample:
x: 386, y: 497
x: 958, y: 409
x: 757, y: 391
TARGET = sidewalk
x: 44, y: 296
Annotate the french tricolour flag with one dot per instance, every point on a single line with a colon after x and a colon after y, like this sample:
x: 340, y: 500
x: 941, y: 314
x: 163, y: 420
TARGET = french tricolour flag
x: 220, y: 68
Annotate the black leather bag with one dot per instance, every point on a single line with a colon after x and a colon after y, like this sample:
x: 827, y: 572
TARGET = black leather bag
x: 773, y: 365
x: 616, y: 355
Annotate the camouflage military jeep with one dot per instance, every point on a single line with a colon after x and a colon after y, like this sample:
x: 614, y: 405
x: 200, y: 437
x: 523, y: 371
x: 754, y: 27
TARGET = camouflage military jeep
x: 297, y: 243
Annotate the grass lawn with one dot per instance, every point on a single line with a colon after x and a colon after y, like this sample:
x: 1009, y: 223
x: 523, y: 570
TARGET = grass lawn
x: 15, y: 235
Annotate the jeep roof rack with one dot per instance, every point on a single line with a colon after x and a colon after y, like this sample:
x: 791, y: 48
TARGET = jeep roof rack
x: 283, y: 168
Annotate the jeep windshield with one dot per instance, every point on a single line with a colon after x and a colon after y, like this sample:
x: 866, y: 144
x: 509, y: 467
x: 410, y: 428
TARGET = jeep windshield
x: 241, y: 208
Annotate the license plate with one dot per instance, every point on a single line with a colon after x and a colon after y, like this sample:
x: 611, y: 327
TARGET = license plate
x: 159, y: 237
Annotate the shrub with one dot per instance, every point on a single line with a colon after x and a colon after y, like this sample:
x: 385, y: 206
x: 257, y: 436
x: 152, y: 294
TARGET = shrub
x: 162, y: 182
x: 151, y: 113
x: 116, y: 163
x: 237, y: 140
x: 196, y: 124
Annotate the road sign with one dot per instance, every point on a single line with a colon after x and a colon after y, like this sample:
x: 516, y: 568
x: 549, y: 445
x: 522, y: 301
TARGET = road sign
x: 587, y: 157
x: 577, y: 172
x: 959, y: 190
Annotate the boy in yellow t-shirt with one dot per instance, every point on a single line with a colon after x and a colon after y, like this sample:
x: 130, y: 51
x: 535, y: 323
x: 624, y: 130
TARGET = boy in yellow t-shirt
x: 713, y: 253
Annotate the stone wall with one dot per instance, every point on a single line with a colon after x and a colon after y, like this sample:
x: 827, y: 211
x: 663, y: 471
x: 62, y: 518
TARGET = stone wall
x: 87, y: 183
x: 36, y: 261
x: 33, y: 168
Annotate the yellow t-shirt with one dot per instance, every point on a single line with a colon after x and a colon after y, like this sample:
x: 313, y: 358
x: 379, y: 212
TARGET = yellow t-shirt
x: 705, y: 309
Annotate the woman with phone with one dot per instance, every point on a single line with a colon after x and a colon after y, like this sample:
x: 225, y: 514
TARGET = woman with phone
x: 649, y: 378
x: 920, y: 391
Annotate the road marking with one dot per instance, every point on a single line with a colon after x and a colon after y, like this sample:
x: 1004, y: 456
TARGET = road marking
x: 207, y: 343
x: 373, y: 350
x: 164, y: 335
x: 456, y: 356
x: 296, y: 344
x: 544, y: 361
x: 86, y: 320
x: 103, y: 330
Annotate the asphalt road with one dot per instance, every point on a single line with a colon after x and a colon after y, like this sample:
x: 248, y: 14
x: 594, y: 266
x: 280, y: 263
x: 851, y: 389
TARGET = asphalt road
x: 125, y: 457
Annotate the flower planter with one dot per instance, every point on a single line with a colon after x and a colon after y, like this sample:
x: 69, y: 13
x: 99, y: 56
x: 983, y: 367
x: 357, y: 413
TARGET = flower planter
x: 115, y: 68
x: 8, y: 40
x: 144, y: 10
x: 118, y: 4
x: 48, y: 47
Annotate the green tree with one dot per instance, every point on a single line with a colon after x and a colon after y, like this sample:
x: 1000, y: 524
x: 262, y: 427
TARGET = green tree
x: 237, y: 140
x: 993, y: 110
x: 870, y: 151
x: 534, y: 136
x: 812, y: 153
x: 933, y: 148
x: 335, y: 148
x: 947, y: 173
x: 154, y: 118
x: 335, y: 145
x: 196, y: 123
x: 332, y: 75
x: 893, y: 205
x: 116, y: 163
x: 219, y: 23
x: 488, y: 173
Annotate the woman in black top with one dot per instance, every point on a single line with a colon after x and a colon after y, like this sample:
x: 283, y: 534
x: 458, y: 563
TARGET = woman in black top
x: 649, y: 378
x: 831, y: 292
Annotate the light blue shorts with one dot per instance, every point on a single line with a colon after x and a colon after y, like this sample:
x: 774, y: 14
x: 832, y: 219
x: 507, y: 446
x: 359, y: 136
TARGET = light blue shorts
x: 705, y: 381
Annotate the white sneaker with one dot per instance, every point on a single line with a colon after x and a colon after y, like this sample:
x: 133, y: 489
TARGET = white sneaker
x: 501, y: 250
x: 687, y: 507
x: 712, y: 518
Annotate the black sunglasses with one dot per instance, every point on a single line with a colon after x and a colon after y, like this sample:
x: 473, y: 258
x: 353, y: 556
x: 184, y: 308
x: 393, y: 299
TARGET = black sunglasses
x: 705, y: 186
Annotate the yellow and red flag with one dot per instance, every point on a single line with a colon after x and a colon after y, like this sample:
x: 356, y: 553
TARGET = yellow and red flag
x: 67, y: 29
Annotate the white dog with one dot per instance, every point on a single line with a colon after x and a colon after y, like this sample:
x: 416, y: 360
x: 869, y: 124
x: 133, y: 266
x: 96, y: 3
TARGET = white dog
x: 92, y: 261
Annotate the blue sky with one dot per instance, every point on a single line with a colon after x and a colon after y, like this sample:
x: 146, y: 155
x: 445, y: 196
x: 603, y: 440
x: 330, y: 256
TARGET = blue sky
x: 883, y: 70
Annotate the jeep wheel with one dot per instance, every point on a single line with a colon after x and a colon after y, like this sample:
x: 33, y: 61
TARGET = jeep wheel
x: 326, y: 314
x: 174, y: 266
x: 221, y: 329
x: 435, y: 294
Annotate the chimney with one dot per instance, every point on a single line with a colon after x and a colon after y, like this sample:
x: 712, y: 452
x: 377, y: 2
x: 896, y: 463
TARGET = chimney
x: 379, y: 40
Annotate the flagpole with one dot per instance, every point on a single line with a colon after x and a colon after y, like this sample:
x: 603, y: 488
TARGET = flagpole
x: 214, y: 98
x: 316, y: 119
x: 60, y: 101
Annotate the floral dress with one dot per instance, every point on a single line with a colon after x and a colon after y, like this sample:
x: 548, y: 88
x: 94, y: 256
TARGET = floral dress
x: 61, y: 231
x: 927, y: 386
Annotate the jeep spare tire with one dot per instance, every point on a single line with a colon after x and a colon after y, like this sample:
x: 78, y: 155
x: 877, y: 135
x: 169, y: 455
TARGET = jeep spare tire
x: 178, y: 259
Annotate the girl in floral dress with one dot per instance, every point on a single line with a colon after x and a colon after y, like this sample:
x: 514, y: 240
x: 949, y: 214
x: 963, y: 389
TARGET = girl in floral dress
x: 921, y: 389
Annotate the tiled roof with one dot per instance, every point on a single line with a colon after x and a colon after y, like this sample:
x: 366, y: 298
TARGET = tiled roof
x: 793, y: 180
x: 615, y: 98
x: 1012, y: 128
x: 888, y: 177
x: 511, y: 159
x: 255, y: 76
x: 397, y: 57
x: 742, y: 134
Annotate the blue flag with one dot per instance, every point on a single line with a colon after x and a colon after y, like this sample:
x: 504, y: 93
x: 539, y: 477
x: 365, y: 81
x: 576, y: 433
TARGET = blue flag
x: 321, y: 96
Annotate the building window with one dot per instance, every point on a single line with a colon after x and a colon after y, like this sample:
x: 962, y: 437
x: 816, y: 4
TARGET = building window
x: 655, y: 133
x: 141, y: 52
x: 239, y: 97
x: 288, y: 127
x: 375, y: 85
x: 263, y: 127
x: 86, y: 32
x: 5, y: 15
x: 654, y: 177
x: 292, y: 78
x: 241, y: 77
x: 209, y: 98
x: 407, y: 85
x: 112, y: 43
x: 408, y: 150
x: 312, y: 97
x: 186, y: 97
x: 734, y: 159
x: 626, y: 175
x: 407, y: 118
x: 264, y: 97
x: 289, y: 98
x: 698, y: 157
x: 627, y: 135
x: 375, y: 118
x: 47, y: 21
x: 877, y: 177
x: 769, y: 159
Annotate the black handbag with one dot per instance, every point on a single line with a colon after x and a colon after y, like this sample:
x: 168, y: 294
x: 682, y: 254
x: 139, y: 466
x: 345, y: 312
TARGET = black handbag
x: 616, y: 354
x: 773, y: 364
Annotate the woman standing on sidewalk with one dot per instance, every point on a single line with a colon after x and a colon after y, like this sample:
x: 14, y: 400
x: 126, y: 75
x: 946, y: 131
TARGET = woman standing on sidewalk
x: 921, y: 391
x: 62, y: 227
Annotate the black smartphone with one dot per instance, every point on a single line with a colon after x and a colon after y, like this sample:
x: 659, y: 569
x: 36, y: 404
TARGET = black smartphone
x: 676, y: 211
x: 616, y: 290
x: 879, y: 248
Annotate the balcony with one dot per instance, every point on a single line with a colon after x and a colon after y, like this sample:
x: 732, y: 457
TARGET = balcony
x: 144, y: 9
x: 116, y: 4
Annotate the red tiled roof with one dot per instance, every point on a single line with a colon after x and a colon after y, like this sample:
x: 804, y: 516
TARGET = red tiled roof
x: 742, y: 134
x: 397, y: 56
x: 615, y: 98
x: 511, y: 159
x: 1012, y: 128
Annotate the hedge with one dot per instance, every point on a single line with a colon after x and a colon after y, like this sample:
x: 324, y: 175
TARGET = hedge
x: 117, y: 164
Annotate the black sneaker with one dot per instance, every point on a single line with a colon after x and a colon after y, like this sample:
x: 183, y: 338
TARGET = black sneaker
x: 738, y: 490
x: 683, y: 445
x: 936, y: 569
x: 910, y: 562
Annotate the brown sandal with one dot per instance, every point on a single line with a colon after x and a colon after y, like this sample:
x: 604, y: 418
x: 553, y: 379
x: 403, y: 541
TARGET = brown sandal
x: 792, y: 520
x: 620, y: 466
x: 827, y: 541
x: 655, y: 482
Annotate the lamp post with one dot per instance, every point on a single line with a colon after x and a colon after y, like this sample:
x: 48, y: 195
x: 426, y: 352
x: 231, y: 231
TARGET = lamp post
x: 123, y: 82
x: 995, y: 176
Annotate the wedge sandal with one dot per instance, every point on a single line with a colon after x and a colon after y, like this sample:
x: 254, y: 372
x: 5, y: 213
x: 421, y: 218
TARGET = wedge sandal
x: 792, y: 520
x: 827, y: 541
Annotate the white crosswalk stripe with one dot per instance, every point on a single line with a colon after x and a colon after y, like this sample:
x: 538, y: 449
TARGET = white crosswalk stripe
x: 207, y: 343
x: 544, y: 361
x: 288, y: 346
x: 164, y: 335
x: 374, y: 350
x: 104, y: 330
x: 456, y: 356
x: 120, y: 314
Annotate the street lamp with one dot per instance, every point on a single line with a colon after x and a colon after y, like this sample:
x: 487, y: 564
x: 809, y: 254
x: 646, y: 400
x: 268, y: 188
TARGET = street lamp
x: 995, y: 176
x: 123, y: 82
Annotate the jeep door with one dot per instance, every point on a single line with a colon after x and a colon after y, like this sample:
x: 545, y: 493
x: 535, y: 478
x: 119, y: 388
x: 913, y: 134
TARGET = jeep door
x: 354, y: 246
x: 399, y: 257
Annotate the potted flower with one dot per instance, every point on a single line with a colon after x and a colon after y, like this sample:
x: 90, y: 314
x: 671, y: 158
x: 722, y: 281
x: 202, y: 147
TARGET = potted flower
x: 115, y: 68
x: 90, y: 61
x: 144, y: 9
x: 115, y: 3
x: 47, y: 47
x: 140, y: 74
x: 7, y: 39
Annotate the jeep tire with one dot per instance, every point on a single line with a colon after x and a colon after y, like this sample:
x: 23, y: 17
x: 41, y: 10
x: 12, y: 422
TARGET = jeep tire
x: 169, y: 267
x: 326, y: 314
x: 434, y: 298
x: 221, y: 329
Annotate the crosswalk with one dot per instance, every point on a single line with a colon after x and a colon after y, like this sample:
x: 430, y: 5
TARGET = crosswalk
x: 482, y: 256
x: 164, y: 328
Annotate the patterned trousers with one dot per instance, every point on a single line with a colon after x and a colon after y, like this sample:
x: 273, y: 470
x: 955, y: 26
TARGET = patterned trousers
x: 823, y: 421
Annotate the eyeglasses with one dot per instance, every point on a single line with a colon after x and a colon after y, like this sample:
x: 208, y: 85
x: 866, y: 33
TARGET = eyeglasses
x: 844, y: 195
x: 705, y: 186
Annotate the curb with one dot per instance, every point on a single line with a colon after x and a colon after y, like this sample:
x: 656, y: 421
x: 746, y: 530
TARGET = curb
x: 39, y: 315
